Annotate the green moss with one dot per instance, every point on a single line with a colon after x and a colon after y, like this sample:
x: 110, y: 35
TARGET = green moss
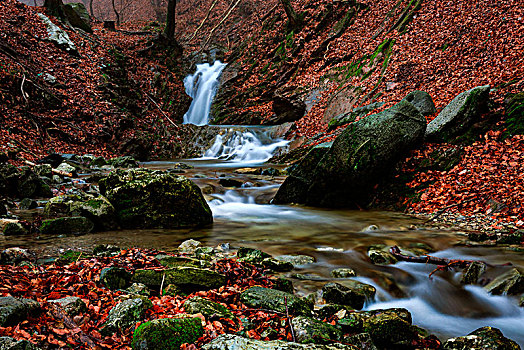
x: 167, y: 333
x: 515, y: 115
x: 70, y: 256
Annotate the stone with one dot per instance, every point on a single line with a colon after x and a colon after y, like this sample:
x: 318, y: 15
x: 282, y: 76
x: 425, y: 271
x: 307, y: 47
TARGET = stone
x: 308, y: 330
x: 81, y: 10
x: 186, y: 277
x: 287, y: 109
x: 138, y: 289
x: 380, y: 255
x: 67, y: 168
x: 271, y: 299
x: 12, y: 227
x: 350, y: 117
x: 296, y: 260
x: 125, y: 315
x: 99, y: 210
x: 8, y: 343
x: 473, y: 272
x: 251, y: 255
x: 271, y: 172
x: 482, y: 338
x: 230, y: 182
x: 277, y: 265
x: 386, y: 328
x: 189, y: 246
x: 155, y: 199
x: 343, y: 273
x: 360, y: 157
x: 167, y: 333
x: 360, y: 321
x: 15, y: 255
x: 15, y: 310
x: 27, y: 204
x: 459, y: 114
x: 509, y: 283
x: 284, y: 285
x: 71, y: 305
x: 106, y: 250
x: 67, y: 225
x: 361, y: 341
x: 60, y: 205
x: 235, y: 342
x: 422, y: 101
x: 58, y: 36
x: 176, y: 261
x: 21, y: 183
x: 115, y: 277
x: 207, y: 308
x: 352, y: 293
x: 125, y: 162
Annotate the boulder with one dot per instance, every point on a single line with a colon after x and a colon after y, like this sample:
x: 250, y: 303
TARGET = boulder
x: 71, y: 305
x: 15, y: 310
x: 251, y: 255
x: 235, y: 342
x: 99, y: 210
x: 189, y: 246
x: 67, y: 168
x: 21, y: 183
x: 58, y: 36
x: 186, y: 277
x: 296, y: 260
x: 115, y: 277
x: 459, y: 114
x: 147, y: 199
x: 480, y: 339
x: 67, y: 225
x: 81, y: 11
x: 343, y: 273
x: 277, y: 265
x: 473, y: 272
x: 308, y: 330
x: 138, y: 289
x: 271, y: 299
x: 352, y: 293
x: 287, y: 109
x: 167, y: 333
x: 8, y: 343
x: 362, y: 156
x: 422, y: 101
x: 387, y: 328
x: 125, y: 162
x: 510, y: 283
x: 207, y: 308
x: 12, y: 227
x: 27, y: 204
x: 380, y: 255
x: 125, y: 315
x: 350, y: 117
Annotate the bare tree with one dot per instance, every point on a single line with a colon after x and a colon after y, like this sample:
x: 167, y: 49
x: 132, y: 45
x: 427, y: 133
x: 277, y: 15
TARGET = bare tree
x: 293, y: 17
x: 169, y: 31
x: 116, y: 12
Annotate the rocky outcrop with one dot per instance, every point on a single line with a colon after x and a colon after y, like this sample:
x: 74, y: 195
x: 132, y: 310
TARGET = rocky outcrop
x: 58, y: 36
x: 359, y: 158
x: 459, y: 114
x: 147, y: 199
x: 482, y: 338
x: 167, y: 333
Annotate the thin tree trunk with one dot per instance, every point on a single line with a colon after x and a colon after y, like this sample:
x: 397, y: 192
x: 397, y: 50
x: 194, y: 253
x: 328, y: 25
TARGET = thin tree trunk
x: 220, y: 23
x: 91, y: 8
x: 116, y: 12
x: 290, y: 13
x: 169, y: 31
x: 205, y: 19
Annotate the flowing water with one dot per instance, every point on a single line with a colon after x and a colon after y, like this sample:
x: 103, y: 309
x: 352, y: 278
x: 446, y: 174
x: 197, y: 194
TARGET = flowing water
x: 335, y: 238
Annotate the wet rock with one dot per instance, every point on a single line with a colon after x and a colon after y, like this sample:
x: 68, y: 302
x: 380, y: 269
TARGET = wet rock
x: 271, y: 172
x: 459, y: 114
x: 21, y: 183
x: 271, y: 299
x: 147, y: 199
x: 167, y: 333
x: 67, y: 225
x: 15, y: 310
x: 296, y: 260
x: 249, y: 171
x: 230, y: 182
x: 189, y: 246
x: 71, y: 305
x: 115, y: 277
x: 58, y: 36
x: 235, y: 342
x: 15, y: 255
x: 125, y: 315
x: 125, y: 162
x: 8, y: 343
x: 99, y: 210
x: 27, y: 203
x: 380, y: 255
x: 352, y: 293
x: 251, y: 255
x: 287, y: 108
x: 361, y: 341
x: 328, y: 310
x: 284, y: 285
x: 60, y: 205
x: 106, y: 250
x: 343, y: 273
x: 350, y: 117
x: 521, y: 303
x: 482, y: 338
x: 186, y: 277
x: 386, y: 328
x: 138, y: 289
x: 360, y: 157
x: 473, y: 272
x: 309, y: 330
x: 67, y: 168
x: 422, y: 101
x: 12, y: 227
x: 277, y: 265
x: 207, y: 308
x: 510, y: 283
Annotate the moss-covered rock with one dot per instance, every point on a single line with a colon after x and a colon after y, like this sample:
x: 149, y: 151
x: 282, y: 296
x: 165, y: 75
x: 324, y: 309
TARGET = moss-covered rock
x: 271, y: 299
x: 343, y: 273
x: 167, y: 333
x: 387, y: 328
x: 251, y: 255
x: 207, y: 308
x: 67, y: 225
x: 422, y: 101
x: 146, y: 199
x: 60, y: 205
x: 14, y: 310
x: 115, y: 277
x: 473, y: 272
x: 99, y: 210
x: 8, y: 343
x: 296, y: 260
x: 514, y: 107
x: 71, y: 305
x: 510, y: 283
x: 12, y: 227
x: 459, y: 114
x: 380, y: 255
x: 124, y: 162
x: 309, y: 330
x: 186, y: 277
x: 482, y: 338
x: 235, y: 342
x: 21, y: 183
x: 352, y: 293
x: 125, y: 315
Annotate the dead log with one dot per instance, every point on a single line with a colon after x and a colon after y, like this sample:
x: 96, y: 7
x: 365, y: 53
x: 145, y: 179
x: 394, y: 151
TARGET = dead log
x: 55, y: 171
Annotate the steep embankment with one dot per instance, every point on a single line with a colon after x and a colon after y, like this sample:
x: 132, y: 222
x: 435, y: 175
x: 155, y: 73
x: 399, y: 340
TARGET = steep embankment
x: 108, y: 95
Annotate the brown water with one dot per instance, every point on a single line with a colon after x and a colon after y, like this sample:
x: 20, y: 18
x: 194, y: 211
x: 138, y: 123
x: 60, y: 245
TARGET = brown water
x: 335, y: 238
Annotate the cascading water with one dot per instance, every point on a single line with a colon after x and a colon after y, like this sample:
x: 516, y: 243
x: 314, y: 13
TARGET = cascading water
x: 202, y: 87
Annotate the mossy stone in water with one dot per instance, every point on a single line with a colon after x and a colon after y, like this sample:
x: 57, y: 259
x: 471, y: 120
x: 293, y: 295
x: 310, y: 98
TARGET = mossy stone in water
x: 186, y: 277
x: 352, y: 293
x: 510, y: 283
x: 482, y: 338
x: 67, y: 225
x: 309, y: 330
x: 265, y: 298
x: 207, y: 308
x: 167, y: 333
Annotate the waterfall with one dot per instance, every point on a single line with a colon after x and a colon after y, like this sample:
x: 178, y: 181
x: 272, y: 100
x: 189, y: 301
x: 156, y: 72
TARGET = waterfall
x: 202, y: 87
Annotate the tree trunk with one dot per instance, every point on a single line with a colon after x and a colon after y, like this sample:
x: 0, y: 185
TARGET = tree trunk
x: 169, y: 31
x: 116, y: 12
x: 292, y: 16
x: 56, y: 8
x: 91, y: 8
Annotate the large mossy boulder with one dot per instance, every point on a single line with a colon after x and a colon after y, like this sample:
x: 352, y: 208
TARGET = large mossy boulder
x: 167, y: 333
x: 422, y: 101
x: 155, y: 199
x: 362, y: 156
x: 276, y: 300
x: 187, y: 278
x: 459, y: 114
x: 308, y: 330
x: 235, y: 342
x: 67, y: 225
x: 21, y: 183
x: 14, y: 310
x: 352, y: 293
x: 480, y: 339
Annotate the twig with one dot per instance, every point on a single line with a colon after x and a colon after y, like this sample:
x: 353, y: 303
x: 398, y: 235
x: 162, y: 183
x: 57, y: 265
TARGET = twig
x: 22, y: 89
x: 204, y: 20
x: 162, y: 284
x: 161, y: 111
x: 289, y: 321
x: 443, y: 210
x: 220, y: 23
x: 56, y: 171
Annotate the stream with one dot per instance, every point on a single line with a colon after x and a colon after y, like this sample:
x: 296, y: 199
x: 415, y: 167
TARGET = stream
x: 243, y: 216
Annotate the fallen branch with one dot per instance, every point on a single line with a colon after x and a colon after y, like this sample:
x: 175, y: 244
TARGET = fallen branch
x: 55, y: 171
x: 161, y: 111
x: 220, y: 23
x: 204, y: 20
x: 289, y: 321
x: 22, y: 90
x: 428, y: 259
